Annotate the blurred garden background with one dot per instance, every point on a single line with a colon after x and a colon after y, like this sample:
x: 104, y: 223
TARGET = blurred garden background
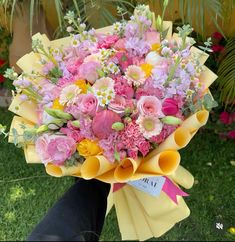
x: 210, y: 156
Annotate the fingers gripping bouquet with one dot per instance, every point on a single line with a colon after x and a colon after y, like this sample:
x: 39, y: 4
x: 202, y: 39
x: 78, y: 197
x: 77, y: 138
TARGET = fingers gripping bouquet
x: 116, y: 104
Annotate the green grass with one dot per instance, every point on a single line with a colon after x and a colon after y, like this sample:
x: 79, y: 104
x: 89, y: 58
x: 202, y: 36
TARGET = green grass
x: 26, y: 192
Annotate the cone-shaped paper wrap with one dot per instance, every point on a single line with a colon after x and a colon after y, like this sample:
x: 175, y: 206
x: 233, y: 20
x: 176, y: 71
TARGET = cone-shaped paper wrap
x: 196, y: 121
x: 31, y: 155
x: 207, y: 77
x: 17, y: 124
x: 183, y: 177
x: 126, y: 169
x: 57, y: 43
x: 201, y: 54
x: 27, y: 109
x: 177, y: 140
x: 167, y: 25
x: 95, y: 166
x: 43, y: 38
x: 164, y: 163
x: 59, y: 171
x: 141, y: 216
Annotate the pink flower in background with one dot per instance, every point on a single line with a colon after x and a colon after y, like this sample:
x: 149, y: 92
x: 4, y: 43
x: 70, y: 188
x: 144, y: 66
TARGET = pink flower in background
x: 88, y: 71
x: 144, y: 147
x: 87, y: 104
x: 73, y: 64
x: 60, y: 148
x: 102, y: 123
x: 150, y: 105
x: 108, y: 41
x: 170, y: 106
x: 217, y: 35
x: 123, y: 59
x: 231, y: 134
x: 217, y: 48
x: 225, y: 118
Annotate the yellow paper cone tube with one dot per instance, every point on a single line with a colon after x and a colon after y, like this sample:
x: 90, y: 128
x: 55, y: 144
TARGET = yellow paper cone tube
x: 110, y: 201
x: 95, y: 166
x: 162, y: 213
x: 105, y: 30
x: 176, y: 37
x: 107, y: 177
x: 138, y: 214
x: 29, y: 63
x: 177, y: 140
x: 164, y: 163
x: 196, y: 121
x: 201, y: 54
x: 31, y: 155
x: 16, y: 124
x: 183, y: 177
x: 126, y: 169
x: 59, y: 171
x: 207, y: 77
x: 27, y: 109
x: 125, y: 220
x: 43, y: 38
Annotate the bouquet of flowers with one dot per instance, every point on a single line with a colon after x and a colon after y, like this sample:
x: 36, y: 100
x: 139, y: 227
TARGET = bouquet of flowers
x: 116, y: 104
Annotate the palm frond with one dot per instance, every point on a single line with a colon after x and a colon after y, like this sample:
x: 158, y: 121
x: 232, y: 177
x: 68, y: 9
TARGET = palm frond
x: 226, y: 73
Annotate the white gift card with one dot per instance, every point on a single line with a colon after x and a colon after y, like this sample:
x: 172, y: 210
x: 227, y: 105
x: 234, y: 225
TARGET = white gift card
x: 151, y: 185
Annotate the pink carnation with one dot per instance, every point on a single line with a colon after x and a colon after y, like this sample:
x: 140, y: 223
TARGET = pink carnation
x: 122, y: 88
x: 231, y: 134
x: 108, y: 41
x: 120, y: 44
x: 225, y: 118
x: 55, y: 148
x: 73, y: 64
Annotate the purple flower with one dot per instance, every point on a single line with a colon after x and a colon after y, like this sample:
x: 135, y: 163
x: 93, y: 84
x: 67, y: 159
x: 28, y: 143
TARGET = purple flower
x: 137, y: 47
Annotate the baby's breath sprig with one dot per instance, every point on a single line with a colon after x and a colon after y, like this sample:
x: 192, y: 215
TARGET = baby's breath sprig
x: 11, y: 74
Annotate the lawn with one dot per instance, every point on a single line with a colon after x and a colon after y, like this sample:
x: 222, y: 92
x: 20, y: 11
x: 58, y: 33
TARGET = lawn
x: 27, y: 192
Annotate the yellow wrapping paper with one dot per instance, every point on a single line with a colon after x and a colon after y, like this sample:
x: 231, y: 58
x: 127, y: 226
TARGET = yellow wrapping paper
x: 17, y: 122
x: 59, y: 171
x: 126, y: 169
x: 207, y: 77
x: 168, y: 25
x: 31, y: 155
x: 43, y: 38
x: 164, y: 163
x: 177, y: 140
x: 201, y: 54
x: 57, y: 43
x: 26, y: 109
x: 95, y: 166
x: 196, y: 121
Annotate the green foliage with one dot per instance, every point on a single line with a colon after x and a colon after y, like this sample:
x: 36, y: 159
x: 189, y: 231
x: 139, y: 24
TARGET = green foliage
x: 226, y: 73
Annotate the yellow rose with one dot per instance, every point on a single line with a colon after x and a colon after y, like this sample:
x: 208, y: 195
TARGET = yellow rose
x: 82, y: 85
x: 88, y: 148
x: 147, y: 68
x: 57, y: 105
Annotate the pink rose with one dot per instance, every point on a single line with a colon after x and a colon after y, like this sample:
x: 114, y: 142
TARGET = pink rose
x: 150, y: 106
x: 87, y: 104
x: 102, y: 123
x: 89, y: 72
x: 152, y: 37
x: 118, y: 105
x: 108, y: 41
x: 170, y: 106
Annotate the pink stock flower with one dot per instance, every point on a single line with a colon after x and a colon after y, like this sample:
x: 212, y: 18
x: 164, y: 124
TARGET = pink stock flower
x: 170, y: 106
x: 152, y: 37
x: 150, y: 106
x: 87, y: 104
x: 231, y: 134
x: 88, y: 71
x: 102, y: 123
x: 225, y: 118
x: 108, y: 41
x: 55, y: 149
